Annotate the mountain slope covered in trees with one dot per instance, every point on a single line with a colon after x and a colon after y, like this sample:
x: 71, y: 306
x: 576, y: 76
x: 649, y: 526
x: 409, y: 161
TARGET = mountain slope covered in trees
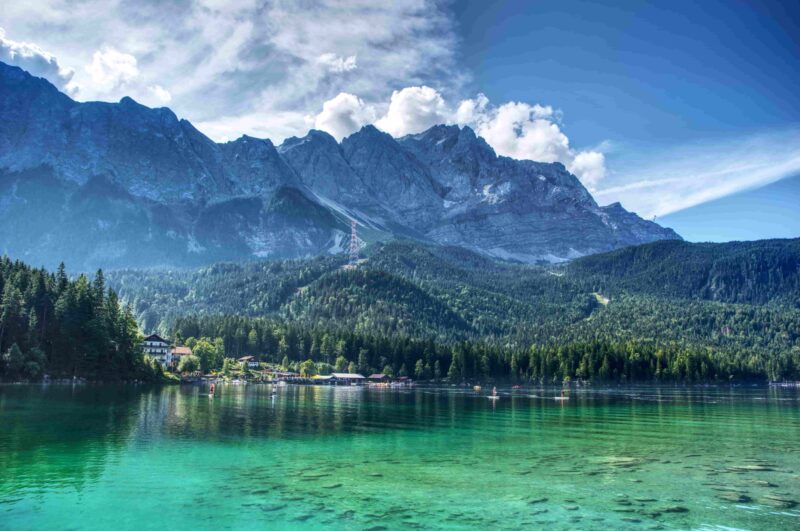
x: 755, y: 272
x: 407, y: 297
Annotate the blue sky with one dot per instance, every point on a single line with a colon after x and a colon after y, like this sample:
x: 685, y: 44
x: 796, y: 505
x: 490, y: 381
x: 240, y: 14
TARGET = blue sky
x: 634, y: 70
x: 766, y: 212
x: 663, y: 106
x: 667, y: 89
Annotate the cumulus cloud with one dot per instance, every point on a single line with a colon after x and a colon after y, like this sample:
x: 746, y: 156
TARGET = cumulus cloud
x: 514, y: 129
x: 590, y: 166
x: 37, y: 61
x: 343, y: 114
x: 337, y: 64
x: 469, y: 111
x: 524, y: 131
x: 111, y: 69
x: 412, y: 110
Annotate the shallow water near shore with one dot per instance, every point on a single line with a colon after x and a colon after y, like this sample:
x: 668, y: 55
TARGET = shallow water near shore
x: 127, y: 457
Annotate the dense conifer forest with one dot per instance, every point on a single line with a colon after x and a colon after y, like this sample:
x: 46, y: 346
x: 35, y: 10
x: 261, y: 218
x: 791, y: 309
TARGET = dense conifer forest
x: 668, y: 311
x: 65, y: 328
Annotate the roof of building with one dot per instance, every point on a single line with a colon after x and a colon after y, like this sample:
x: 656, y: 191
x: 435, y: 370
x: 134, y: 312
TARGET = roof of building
x: 377, y: 376
x: 347, y: 375
x: 246, y: 358
x: 155, y: 337
x: 181, y: 351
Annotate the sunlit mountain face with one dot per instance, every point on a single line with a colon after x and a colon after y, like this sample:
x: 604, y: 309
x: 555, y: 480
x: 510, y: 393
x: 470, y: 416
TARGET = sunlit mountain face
x: 121, y: 184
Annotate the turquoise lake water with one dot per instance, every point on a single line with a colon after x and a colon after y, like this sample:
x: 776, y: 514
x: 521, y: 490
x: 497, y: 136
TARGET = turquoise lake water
x: 126, y: 457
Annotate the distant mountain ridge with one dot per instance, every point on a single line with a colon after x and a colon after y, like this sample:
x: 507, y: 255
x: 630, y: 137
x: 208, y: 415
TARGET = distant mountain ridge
x: 123, y: 185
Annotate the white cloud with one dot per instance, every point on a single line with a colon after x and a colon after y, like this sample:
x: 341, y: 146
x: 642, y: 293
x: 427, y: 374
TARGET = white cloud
x: 337, y: 64
x: 37, y: 61
x: 343, y: 114
x: 161, y: 94
x: 412, y: 110
x: 524, y: 131
x: 469, y: 111
x: 661, y: 182
x: 279, y: 125
x: 380, y: 46
x: 253, y: 63
x: 110, y: 69
x: 590, y: 166
x: 514, y: 129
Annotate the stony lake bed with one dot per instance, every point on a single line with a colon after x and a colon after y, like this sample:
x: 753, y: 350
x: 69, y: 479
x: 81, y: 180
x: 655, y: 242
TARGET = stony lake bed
x: 128, y: 457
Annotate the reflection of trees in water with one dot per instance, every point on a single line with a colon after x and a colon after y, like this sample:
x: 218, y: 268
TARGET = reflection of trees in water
x: 54, y: 436
x: 61, y: 436
x: 242, y: 412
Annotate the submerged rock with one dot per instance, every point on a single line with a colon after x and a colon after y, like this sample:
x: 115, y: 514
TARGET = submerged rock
x: 735, y: 497
x: 751, y: 468
x: 778, y: 502
x: 674, y: 509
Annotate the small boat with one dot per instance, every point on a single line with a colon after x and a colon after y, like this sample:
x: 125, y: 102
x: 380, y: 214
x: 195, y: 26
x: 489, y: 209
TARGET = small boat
x: 476, y: 388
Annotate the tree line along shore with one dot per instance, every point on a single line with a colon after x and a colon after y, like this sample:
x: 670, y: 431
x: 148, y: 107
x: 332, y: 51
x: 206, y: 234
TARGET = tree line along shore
x: 64, y: 328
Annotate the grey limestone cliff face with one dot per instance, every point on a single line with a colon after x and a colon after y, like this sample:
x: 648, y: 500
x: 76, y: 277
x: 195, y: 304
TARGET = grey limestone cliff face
x: 394, y: 177
x: 320, y: 163
x: 118, y: 184
x: 517, y: 209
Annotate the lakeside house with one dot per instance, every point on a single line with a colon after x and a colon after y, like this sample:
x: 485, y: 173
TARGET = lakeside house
x: 338, y: 378
x: 282, y: 375
x: 250, y: 361
x: 346, y: 378
x: 179, y: 353
x: 378, y: 378
x: 158, y: 348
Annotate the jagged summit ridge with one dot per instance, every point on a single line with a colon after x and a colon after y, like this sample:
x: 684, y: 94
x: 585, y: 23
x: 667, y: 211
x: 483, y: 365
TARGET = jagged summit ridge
x: 182, y: 199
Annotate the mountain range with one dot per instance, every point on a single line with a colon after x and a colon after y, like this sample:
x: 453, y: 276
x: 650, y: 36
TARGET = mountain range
x: 122, y: 185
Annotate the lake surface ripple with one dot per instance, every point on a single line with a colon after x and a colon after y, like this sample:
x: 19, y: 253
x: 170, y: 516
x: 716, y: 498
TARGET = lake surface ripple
x: 127, y: 457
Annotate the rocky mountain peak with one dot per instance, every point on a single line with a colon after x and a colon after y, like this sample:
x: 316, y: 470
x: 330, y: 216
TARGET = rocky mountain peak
x: 119, y: 177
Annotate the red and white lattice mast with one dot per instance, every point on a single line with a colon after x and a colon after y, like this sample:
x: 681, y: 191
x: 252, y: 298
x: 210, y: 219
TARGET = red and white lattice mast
x: 353, y: 243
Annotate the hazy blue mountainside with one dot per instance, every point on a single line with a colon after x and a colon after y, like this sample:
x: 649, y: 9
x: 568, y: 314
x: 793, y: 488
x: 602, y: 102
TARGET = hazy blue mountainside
x: 449, y: 294
x: 120, y: 184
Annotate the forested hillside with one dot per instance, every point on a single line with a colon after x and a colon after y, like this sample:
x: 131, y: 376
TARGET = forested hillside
x: 747, y: 272
x: 51, y: 324
x: 589, y: 319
